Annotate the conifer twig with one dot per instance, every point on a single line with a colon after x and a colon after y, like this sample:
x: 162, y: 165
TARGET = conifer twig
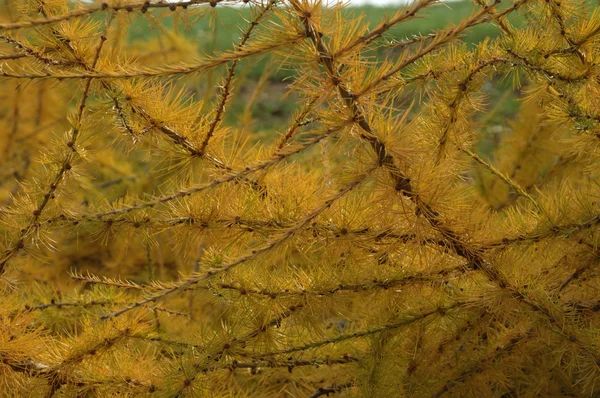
x: 385, y: 283
x: 299, y: 119
x: 507, y: 179
x: 191, y: 148
x: 568, y: 230
x: 582, y: 268
x: 102, y: 280
x: 494, y: 15
x: 278, y: 157
x: 7, y: 57
x: 142, y: 6
x: 166, y: 71
x: 384, y: 25
x: 441, y: 348
x: 65, y: 166
x: 443, y: 38
x: 476, y: 368
x: 225, y: 88
x: 290, y: 364
x: 454, y: 105
x: 195, y: 279
x: 547, y: 73
x: 355, y: 335
x: 236, y: 341
x: 335, y: 388
x: 27, y: 51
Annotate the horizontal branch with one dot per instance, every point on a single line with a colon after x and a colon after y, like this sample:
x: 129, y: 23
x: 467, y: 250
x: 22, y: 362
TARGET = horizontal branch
x: 166, y: 71
x: 333, y: 389
x: 551, y: 231
x: 385, y: 284
x: 369, y: 332
x: 82, y: 12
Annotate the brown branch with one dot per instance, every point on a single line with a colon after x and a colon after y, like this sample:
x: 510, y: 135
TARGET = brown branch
x: 548, y: 74
x: 582, y: 268
x: 165, y: 71
x: 290, y: 364
x: 333, y: 389
x: 12, y: 57
x: 299, y: 121
x: 567, y: 230
x: 384, y: 25
x: 369, y: 332
x: 82, y: 12
x: 463, y: 89
x: 385, y: 284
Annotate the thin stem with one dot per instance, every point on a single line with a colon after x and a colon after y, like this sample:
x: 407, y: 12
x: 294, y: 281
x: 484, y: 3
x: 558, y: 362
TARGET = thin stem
x: 82, y: 12
x: 166, y: 71
x: 364, y: 333
x: 333, y: 389
x: 226, y: 87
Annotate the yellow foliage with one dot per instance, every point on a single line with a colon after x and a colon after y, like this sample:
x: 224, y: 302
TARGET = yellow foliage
x: 154, y: 242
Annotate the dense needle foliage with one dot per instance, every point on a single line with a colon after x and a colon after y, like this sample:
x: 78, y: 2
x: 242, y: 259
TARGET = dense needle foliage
x: 387, y: 239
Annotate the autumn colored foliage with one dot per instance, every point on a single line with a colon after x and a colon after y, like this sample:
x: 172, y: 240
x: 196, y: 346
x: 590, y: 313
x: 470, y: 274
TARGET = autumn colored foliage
x: 388, y: 238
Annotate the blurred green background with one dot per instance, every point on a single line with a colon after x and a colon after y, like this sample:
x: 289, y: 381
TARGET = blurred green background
x: 221, y: 27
